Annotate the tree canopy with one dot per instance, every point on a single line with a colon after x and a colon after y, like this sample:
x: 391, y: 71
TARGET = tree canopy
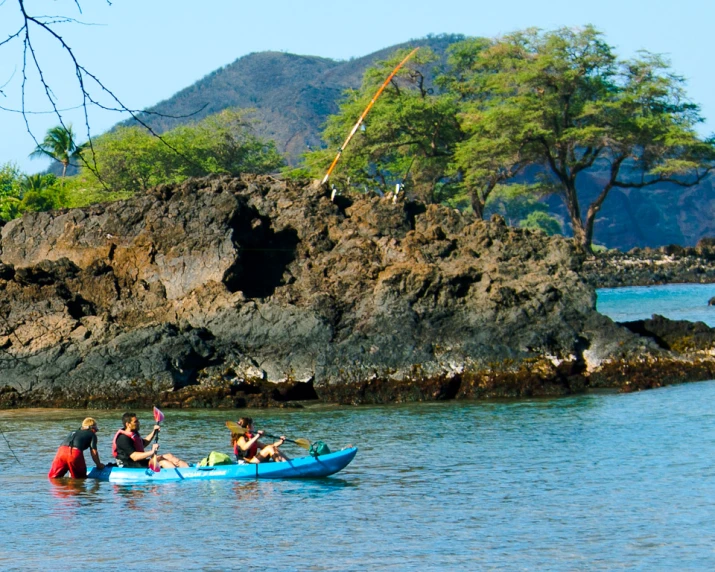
x: 540, y: 110
x: 408, y: 136
x: 563, y: 100
x: 131, y: 159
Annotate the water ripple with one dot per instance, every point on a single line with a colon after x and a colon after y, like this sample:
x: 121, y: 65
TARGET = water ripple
x: 598, y: 482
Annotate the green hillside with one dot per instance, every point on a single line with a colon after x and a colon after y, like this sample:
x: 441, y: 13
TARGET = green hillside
x: 292, y: 95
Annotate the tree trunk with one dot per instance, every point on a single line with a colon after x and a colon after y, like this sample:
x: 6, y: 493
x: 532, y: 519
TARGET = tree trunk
x: 590, y: 221
x: 581, y: 234
x: 477, y: 205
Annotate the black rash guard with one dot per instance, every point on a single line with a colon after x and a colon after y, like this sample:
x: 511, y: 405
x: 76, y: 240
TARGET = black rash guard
x: 81, y: 439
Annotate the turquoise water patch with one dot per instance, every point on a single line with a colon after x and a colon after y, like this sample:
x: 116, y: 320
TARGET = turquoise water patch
x: 674, y: 301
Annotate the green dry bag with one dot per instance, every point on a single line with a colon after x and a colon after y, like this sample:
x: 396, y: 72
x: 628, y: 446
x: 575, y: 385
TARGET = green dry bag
x: 216, y: 458
x: 319, y: 448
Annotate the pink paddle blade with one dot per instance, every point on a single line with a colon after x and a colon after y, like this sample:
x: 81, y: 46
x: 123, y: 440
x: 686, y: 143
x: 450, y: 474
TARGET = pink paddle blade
x: 154, y: 464
x: 158, y: 415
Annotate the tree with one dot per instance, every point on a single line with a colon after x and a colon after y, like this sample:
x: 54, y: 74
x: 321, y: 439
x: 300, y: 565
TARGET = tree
x: 39, y: 193
x: 37, y: 183
x: 542, y: 221
x: 408, y: 136
x: 563, y: 100
x: 20, y: 193
x: 222, y: 143
x: 486, y: 157
x: 58, y: 144
x: 132, y: 159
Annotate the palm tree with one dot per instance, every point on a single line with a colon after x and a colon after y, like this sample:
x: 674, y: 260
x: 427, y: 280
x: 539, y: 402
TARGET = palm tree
x: 36, y: 183
x: 58, y: 144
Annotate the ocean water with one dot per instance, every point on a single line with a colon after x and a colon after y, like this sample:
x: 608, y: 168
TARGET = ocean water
x: 674, y: 301
x: 592, y: 482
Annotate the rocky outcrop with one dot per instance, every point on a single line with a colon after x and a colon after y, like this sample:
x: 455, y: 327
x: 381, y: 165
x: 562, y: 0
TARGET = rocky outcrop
x: 651, y: 266
x: 253, y: 291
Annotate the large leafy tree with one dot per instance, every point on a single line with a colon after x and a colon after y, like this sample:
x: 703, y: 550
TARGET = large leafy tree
x: 408, y: 136
x: 564, y: 101
x: 59, y: 144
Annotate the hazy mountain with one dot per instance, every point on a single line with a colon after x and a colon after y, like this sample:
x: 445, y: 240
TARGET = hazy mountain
x: 292, y: 95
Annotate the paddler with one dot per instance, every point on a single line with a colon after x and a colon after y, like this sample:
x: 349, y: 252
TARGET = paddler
x: 70, y: 455
x: 129, y: 447
x: 248, y: 448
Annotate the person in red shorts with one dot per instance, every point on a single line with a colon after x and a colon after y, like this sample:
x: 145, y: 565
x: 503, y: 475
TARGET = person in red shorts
x: 70, y: 455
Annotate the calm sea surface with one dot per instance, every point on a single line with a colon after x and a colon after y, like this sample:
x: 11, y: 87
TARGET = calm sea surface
x: 594, y: 482
x: 674, y: 301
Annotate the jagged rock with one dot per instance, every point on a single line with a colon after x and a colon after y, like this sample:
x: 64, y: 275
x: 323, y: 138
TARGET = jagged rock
x: 191, y: 291
x: 678, y: 335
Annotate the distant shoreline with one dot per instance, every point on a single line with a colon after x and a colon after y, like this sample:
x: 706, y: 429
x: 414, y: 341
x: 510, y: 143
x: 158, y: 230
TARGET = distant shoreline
x: 671, y: 264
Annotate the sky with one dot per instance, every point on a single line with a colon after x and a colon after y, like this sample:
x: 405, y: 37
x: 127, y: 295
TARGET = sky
x: 144, y: 51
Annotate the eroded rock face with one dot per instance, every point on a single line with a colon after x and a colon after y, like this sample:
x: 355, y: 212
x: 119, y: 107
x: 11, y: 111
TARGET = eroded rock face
x: 227, y: 281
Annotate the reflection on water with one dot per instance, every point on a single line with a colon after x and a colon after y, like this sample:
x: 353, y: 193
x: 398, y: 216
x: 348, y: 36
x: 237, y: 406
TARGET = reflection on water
x: 132, y: 497
x: 74, y: 488
x: 596, y: 482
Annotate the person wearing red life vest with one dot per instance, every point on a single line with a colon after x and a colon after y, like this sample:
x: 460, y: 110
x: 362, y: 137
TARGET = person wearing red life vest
x: 248, y: 448
x: 129, y: 447
x: 70, y: 455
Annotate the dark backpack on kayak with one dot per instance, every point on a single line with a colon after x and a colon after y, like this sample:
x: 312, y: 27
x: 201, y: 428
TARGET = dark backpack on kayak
x: 319, y: 448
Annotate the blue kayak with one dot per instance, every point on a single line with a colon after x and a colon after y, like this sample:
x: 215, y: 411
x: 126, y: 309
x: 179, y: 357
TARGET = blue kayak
x: 303, y: 467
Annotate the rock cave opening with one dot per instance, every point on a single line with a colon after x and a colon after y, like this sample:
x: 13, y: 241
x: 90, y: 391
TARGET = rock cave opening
x: 263, y: 258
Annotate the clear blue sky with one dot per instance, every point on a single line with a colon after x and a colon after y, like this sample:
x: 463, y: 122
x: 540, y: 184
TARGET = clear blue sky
x: 145, y: 51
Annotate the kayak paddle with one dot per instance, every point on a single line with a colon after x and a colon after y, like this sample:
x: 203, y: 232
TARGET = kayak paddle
x: 236, y: 428
x: 154, y: 464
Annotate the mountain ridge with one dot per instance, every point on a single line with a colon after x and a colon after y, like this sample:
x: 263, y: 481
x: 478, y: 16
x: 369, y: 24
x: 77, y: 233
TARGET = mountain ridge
x: 292, y: 95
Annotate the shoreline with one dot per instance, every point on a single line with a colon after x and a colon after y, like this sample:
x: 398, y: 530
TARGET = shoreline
x: 536, y: 380
x: 671, y: 264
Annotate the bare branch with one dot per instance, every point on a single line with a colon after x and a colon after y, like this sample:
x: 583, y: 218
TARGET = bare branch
x: 85, y: 79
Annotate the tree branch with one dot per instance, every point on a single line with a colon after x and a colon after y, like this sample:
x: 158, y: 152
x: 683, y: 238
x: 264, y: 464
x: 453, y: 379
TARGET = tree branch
x: 30, y: 59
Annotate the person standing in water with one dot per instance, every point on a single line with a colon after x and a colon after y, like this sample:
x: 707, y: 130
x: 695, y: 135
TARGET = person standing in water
x: 70, y: 455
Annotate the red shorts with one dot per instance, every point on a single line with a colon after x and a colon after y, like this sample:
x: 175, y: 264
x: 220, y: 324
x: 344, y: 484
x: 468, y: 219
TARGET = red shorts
x: 68, y: 459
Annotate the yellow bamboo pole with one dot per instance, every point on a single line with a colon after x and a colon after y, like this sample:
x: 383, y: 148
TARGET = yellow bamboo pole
x: 364, y: 113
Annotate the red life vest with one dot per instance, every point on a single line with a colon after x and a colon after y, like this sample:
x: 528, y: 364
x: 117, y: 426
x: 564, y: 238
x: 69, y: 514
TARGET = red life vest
x: 138, y: 443
x: 250, y: 453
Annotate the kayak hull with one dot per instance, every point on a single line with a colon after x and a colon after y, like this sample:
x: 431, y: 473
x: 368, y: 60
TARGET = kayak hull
x: 301, y: 468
